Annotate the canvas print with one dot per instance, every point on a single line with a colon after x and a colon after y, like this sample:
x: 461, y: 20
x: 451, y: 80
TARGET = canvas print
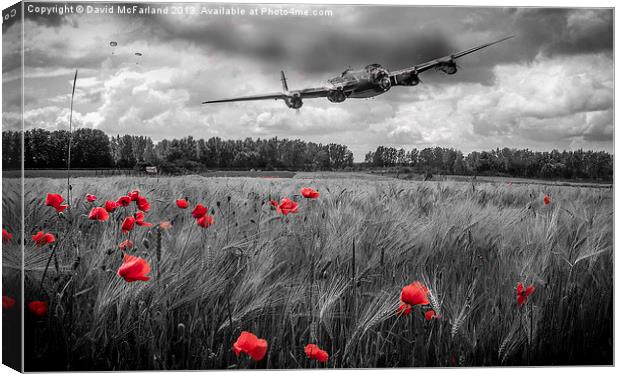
x: 199, y: 186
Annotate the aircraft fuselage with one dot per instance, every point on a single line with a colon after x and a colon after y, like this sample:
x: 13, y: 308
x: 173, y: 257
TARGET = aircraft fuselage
x: 368, y: 82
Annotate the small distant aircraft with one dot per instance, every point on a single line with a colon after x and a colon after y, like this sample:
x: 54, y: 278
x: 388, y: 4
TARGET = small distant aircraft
x: 371, y: 81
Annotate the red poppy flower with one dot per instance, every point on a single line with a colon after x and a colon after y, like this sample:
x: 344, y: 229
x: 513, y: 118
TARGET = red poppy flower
x: 41, y: 238
x: 524, y: 293
x: 313, y: 352
x: 124, y: 201
x: 287, y: 206
x: 403, y: 309
x: 128, y: 224
x: 98, y: 214
x: 430, y: 314
x: 7, y: 302
x: 125, y: 244
x: 199, y: 211
x: 134, y: 269
x: 546, y: 200
x: 38, y: 308
x: 205, y: 221
x: 251, y: 345
x: 182, y: 203
x: 55, y: 200
x: 143, y: 204
x: 134, y: 195
x: 140, y: 220
x: 6, y: 236
x: 111, y: 206
x: 415, y: 294
x: 309, y: 193
x: 90, y: 198
x: 274, y: 203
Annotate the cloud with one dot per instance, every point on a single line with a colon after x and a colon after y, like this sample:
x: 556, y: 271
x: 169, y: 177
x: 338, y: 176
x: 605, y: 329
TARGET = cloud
x: 549, y: 87
x: 598, y: 126
x: 398, y: 36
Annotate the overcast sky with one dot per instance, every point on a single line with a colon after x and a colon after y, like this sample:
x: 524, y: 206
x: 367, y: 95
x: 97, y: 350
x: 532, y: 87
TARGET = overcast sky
x: 551, y: 87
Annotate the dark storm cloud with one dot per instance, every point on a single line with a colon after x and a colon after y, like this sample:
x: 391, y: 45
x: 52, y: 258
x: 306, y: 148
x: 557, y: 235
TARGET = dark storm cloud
x: 566, y: 31
x: 394, y: 36
x: 313, y: 45
x: 400, y: 36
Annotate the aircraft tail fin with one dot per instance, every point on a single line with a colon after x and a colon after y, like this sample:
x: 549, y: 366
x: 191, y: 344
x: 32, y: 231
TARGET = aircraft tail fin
x: 283, y: 80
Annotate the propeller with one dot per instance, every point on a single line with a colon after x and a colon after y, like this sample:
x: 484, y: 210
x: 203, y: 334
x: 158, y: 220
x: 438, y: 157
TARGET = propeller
x: 417, y: 75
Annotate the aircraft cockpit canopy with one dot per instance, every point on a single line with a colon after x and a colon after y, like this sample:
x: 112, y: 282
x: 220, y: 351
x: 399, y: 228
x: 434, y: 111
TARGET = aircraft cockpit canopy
x: 371, y: 67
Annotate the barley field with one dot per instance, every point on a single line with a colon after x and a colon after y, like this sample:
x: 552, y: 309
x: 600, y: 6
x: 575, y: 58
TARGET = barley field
x: 330, y: 274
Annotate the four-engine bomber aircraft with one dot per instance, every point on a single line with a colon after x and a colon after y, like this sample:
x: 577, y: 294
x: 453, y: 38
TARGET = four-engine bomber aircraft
x: 371, y: 81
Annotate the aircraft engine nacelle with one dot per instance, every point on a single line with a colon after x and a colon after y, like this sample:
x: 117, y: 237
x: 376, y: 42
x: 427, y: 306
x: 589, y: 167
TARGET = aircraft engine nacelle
x: 385, y: 83
x: 336, y: 96
x: 379, y: 76
x: 407, y: 79
x: 294, y: 101
x: 448, y: 67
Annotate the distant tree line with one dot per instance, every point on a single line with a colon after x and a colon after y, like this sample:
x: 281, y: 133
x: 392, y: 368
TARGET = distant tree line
x: 502, y: 162
x: 92, y: 148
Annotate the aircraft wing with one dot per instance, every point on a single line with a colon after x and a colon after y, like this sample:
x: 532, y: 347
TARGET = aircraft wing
x: 305, y: 93
x: 311, y: 93
x: 437, y: 62
x: 270, y: 96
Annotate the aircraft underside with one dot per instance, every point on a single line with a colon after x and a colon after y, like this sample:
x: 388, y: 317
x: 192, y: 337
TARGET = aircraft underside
x: 363, y: 94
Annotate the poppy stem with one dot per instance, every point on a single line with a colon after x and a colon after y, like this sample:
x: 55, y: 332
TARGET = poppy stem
x: 70, y: 139
x: 189, y: 234
x: 158, y: 249
x: 49, y: 260
x: 353, y: 284
x: 529, y: 340
x: 230, y: 321
x: 313, y: 325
